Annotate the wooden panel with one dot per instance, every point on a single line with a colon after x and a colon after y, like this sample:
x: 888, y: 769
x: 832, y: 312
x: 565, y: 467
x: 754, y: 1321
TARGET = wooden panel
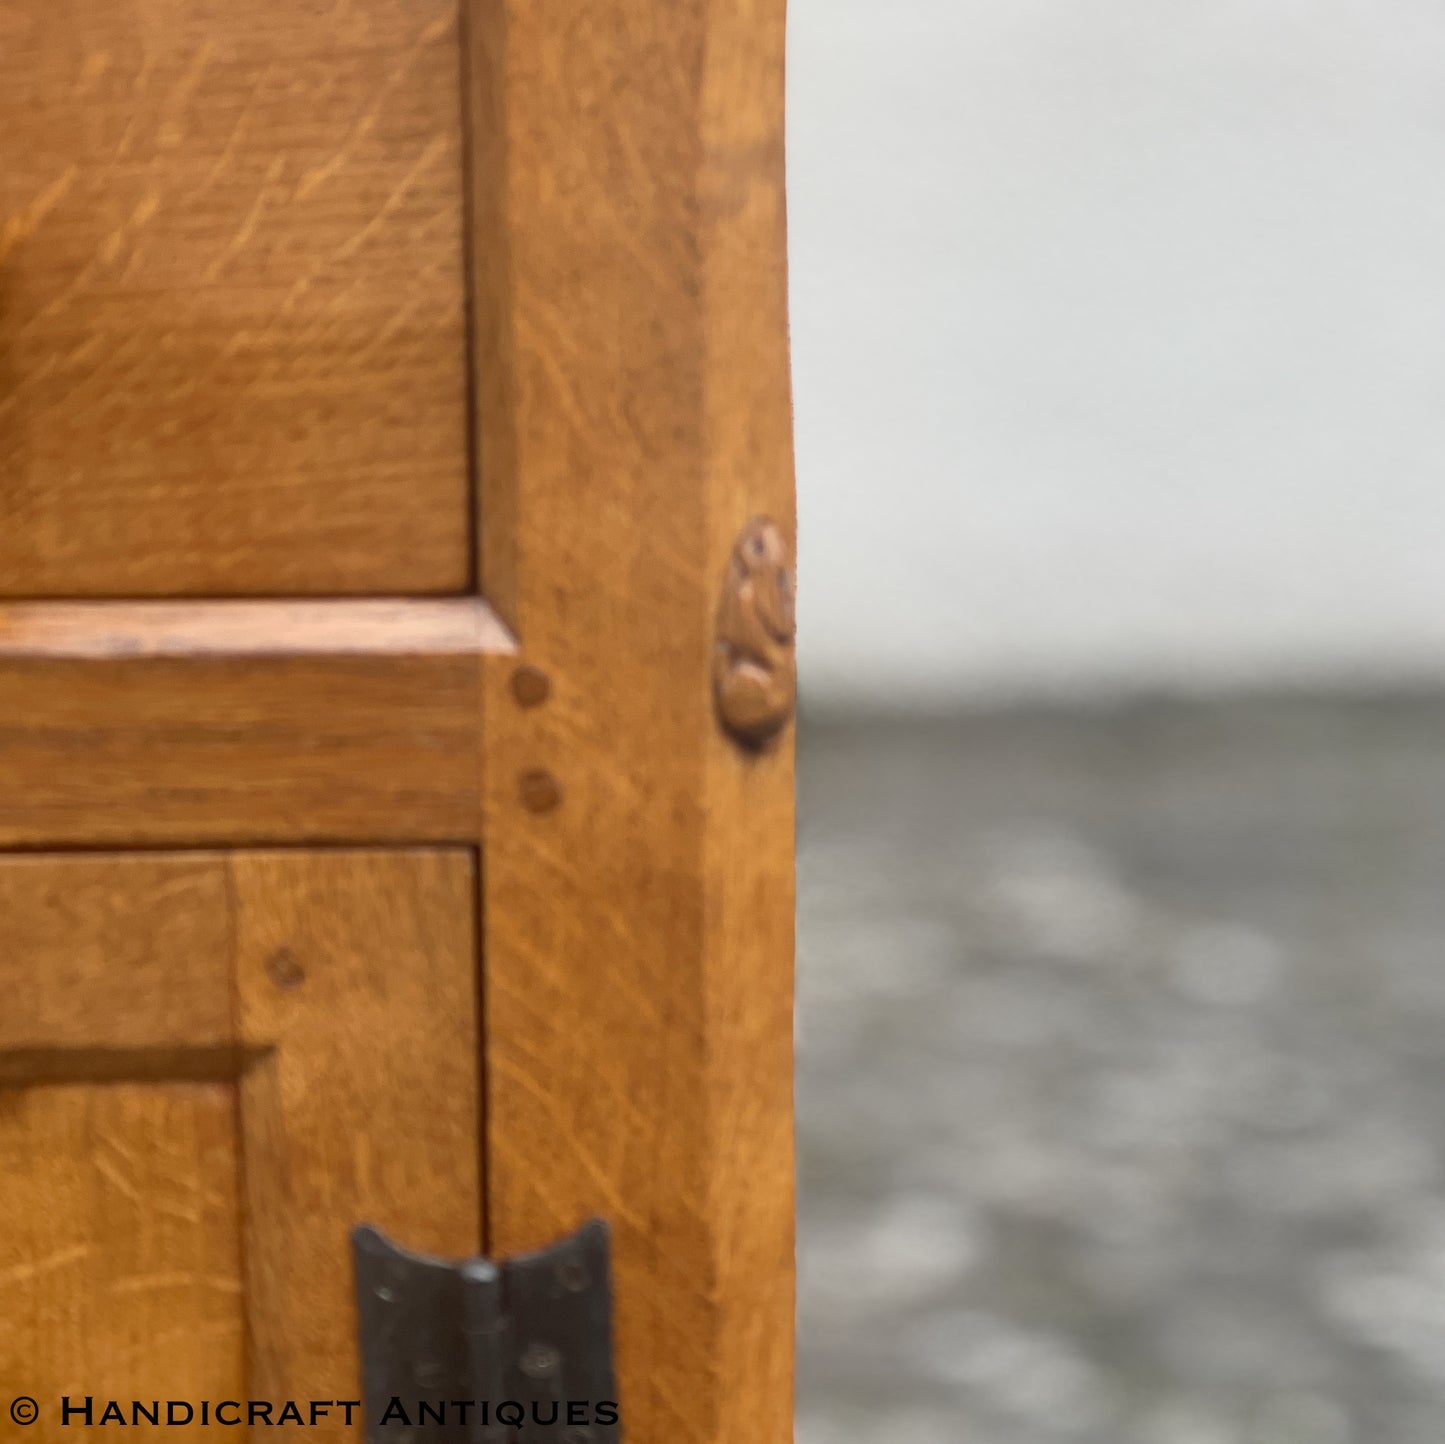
x: 358, y: 969
x: 339, y: 988
x: 232, y: 351
x: 119, y: 1248
x: 633, y: 410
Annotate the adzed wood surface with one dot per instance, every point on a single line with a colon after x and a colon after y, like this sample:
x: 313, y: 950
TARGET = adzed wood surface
x: 633, y: 413
x: 232, y: 341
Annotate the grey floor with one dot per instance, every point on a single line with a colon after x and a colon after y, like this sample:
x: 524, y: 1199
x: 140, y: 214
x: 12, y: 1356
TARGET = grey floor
x: 1122, y: 1078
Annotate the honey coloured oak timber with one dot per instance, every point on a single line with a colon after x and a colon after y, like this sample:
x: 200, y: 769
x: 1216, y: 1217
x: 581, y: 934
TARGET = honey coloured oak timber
x: 384, y: 387
x: 218, y: 1064
x: 633, y: 413
x: 154, y: 724
x: 121, y: 1248
x: 232, y: 337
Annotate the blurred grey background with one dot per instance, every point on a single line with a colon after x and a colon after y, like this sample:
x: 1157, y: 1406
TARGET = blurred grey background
x: 1117, y: 329
x: 1119, y: 346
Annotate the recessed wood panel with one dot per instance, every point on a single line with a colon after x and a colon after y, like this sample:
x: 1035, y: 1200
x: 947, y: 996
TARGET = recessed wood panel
x: 232, y: 351
x: 120, y: 1249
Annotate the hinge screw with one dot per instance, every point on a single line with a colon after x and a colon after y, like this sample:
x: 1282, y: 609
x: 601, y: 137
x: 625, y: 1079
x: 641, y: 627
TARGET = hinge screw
x: 539, y: 1361
x: 572, y: 1276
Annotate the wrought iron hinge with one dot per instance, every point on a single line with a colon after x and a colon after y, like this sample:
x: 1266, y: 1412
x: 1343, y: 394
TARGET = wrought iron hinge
x: 477, y: 1352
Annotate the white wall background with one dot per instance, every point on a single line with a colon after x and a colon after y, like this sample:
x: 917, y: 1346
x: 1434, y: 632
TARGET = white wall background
x: 1119, y: 344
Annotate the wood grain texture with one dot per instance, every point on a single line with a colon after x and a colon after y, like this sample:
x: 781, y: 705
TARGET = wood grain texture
x: 120, y: 1249
x: 242, y: 750
x: 114, y: 953
x: 358, y: 969
x: 232, y: 339
x: 633, y: 408
x: 150, y: 1218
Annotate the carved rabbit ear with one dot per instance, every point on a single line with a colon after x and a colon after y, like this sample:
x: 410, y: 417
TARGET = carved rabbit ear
x: 762, y: 540
x: 754, y: 668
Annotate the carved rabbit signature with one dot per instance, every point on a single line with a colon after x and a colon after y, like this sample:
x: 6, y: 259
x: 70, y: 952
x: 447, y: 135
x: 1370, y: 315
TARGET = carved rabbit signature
x: 755, y: 680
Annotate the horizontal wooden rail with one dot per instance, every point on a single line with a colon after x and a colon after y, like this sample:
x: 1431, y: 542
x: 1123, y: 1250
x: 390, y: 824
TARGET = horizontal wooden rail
x: 239, y: 723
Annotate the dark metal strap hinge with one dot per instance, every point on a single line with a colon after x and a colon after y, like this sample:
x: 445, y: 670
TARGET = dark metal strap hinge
x: 478, y: 1352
